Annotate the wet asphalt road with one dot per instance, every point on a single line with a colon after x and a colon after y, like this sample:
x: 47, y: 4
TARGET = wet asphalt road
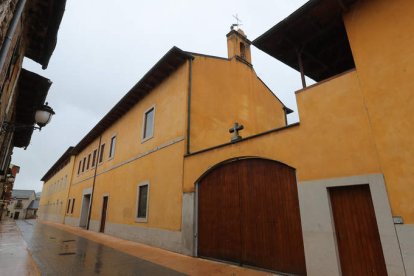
x: 57, y: 252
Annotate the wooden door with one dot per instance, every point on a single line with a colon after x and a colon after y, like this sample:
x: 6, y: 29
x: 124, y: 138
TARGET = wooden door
x: 219, y: 235
x: 358, y: 240
x: 248, y: 212
x: 103, y: 215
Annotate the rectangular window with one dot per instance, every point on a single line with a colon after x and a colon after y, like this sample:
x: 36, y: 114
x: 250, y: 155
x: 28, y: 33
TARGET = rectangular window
x: 148, y: 127
x: 19, y: 204
x: 112, y: 147
x: 84, y: 163
x: 73, y: 205
x: 68, y: 208
x: 89, y: 161
x: 80, y: 166
x: 94, y: 158
x: 142, y: 209
x: 101, y: 153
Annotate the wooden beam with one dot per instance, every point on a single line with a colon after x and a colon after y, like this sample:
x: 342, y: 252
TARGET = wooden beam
x: 302, y: 74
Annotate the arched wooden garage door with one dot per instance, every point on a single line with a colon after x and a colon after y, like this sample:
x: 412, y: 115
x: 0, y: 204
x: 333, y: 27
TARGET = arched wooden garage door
x: 248, y: 212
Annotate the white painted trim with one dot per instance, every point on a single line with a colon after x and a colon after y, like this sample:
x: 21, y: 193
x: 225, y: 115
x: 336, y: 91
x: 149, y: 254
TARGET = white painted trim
x: 100, y: 153
x: 195, y: 249
x: 144, y: 183
x: 85, y: 193
x: 110, y: 157
x: 144, y: 139
x: 106, y: 212
x: 318, y: 225
x: 96, y: 158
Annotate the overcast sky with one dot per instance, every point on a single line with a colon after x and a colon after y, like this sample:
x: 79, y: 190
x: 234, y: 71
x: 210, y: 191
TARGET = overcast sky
x: 105, y: 47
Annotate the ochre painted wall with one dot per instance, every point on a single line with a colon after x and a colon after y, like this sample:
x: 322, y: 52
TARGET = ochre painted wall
x: 163, y: 170
x: 158, y: 160
x: 382, y: 41
x: 55, y: 190
x: 228, y: 91
x: 332, y: 140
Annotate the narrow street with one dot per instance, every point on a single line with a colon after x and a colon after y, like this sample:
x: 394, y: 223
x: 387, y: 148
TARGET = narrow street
x: 58, y: 252
x: 30, y: 247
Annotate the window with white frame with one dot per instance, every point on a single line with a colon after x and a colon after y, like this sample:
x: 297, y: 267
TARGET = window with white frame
x: 94, y: 158
x: 73, y: 205
x: 83, y: 164
x: 89, y: 161
x: 112, y: 147
x: 80, y: 166
x: 142, y: 202
x: 68, y: 207
x: 101, y: 153
x: 148, y: 124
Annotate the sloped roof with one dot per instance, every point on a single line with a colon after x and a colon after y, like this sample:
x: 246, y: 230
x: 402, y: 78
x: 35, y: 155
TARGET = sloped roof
x: 58, y: 163
x: 317, y: 31
x: 22, y: 193
x: 43, y: 21
x: 34, y: 204
x: 32, y: 91
x: 168, y: 64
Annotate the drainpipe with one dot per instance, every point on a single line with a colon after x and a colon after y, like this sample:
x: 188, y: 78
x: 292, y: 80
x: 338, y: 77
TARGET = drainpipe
x: 190, y: 79
x: 94, y: 181
x: 10, y: 32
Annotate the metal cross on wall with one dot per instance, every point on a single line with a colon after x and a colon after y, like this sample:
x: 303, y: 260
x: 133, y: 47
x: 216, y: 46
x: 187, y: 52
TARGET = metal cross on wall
x: 235, y: 130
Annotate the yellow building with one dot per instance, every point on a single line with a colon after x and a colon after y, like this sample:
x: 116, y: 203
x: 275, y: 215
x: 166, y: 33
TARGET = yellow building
x: 330, y: 195
x: 54, y: 203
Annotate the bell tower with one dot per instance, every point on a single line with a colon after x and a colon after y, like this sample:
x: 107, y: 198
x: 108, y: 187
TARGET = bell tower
x: 238, y: 45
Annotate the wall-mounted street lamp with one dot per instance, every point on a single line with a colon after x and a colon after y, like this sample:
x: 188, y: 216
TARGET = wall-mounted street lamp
x: 43, y: 116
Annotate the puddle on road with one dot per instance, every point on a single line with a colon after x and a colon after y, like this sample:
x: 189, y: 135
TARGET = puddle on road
x: 67, y: 253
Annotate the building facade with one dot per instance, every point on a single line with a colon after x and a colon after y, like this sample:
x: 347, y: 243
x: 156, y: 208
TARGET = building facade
x: 330, y: 195
x: 28, y: 28
x: 20, y: 204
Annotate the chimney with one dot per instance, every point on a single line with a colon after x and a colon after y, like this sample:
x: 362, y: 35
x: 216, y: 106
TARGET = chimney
x: 238, y: 45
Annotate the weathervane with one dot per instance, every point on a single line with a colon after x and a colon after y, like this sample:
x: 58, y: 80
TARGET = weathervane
x: 238, y: 24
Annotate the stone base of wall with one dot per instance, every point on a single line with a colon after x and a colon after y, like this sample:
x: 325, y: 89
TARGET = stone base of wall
x: 51, y: 217
x: 177, y: 241
x: 72, y: 221
x: 405, y: 234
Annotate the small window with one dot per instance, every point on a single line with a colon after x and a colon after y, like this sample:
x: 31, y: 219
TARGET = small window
x: 148, y: 127
x: 112, y: 147
x: 80, y: 166
x: 101, y: 153
x: 68, y: 208
x: 73, y: 205
x: 84, y: 163
x: 19, y: 204
x: 142, y: 205
x: 94, y: 158
x: 242, y: 50
x: 89, y: 161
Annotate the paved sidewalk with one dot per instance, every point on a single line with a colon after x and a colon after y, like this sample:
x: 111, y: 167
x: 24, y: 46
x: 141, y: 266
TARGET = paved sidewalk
x: 181, y: 263
x: 176, y: 262
x: 15, y: 259
x: 111, y: 255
